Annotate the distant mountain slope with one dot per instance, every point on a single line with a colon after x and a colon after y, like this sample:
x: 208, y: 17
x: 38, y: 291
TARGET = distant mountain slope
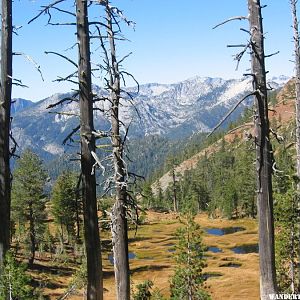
x: 20, y: 104
x: 171, y: 110
x: 282, y: 112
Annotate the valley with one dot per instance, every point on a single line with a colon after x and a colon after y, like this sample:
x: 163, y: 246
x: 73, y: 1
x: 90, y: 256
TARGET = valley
x: 152, y: 171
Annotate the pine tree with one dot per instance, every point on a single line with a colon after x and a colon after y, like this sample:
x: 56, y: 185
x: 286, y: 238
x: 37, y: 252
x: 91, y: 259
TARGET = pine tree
x: 64, y: 203
x: 187, y: 282
x: 28, y: 198
x: 244, y: 176
x: 286, y: 217
x: 14, y: 282
x: 148, y: 197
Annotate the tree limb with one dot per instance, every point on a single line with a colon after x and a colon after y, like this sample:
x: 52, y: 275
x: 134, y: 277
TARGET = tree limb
x: 231, y: 19
x: 62, y: 56
x: 230, y: 112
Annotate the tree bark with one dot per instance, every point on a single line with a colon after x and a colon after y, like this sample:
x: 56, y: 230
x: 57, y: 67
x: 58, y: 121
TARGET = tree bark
x: 119, y: 220
x: 5, y: 102
x: 175, y: 202
x: 32, y: 236
x: 91, y: 229
x: 263, y: 155
x: 297, y: 85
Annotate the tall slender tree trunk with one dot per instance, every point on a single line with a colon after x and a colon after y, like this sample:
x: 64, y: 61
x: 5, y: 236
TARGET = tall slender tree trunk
x: 297, y: 85
x: 263, y: 155
x: 119, y: 219
x: 91, y: 229
x: 77, y: 221
x: 5, y: 102
x: 32, y: 236
x: 77, y: 204
x: 175, y: 200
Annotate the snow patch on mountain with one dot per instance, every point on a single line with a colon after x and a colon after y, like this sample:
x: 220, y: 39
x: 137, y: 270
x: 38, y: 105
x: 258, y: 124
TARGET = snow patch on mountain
x: 53, y: 149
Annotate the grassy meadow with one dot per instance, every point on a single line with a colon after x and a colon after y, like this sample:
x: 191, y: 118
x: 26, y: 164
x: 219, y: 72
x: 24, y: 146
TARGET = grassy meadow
x: 233, y: 276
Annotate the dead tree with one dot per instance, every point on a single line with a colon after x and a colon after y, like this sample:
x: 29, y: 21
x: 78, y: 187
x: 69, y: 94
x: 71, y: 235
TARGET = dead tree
x: 91, y: 232
x: 263, y: 154
x: 5, y: 103
x: 118, y: 214
x: 119, y: 181
x: 84, y: 95
x: 175, y: 200
x: 297, y: 85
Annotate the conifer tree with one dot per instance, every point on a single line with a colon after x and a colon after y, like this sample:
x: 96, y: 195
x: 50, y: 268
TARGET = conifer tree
x: 148, y: 195
x: 14, y: 282
x: 244, y: 176
x: 187, y: 283
x: 64, y: 203
x: 286, y: 220
x: 29, y: 198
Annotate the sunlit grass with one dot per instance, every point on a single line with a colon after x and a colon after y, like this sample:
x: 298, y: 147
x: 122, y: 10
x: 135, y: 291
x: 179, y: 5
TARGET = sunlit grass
x: 151, y: 244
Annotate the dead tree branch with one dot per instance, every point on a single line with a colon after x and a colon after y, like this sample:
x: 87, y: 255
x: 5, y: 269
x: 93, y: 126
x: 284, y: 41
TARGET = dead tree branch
x: 63, y: 56
x: 45, y: 10
x: 240, y: 18
x: 230, y: 112
x: 31, y: 60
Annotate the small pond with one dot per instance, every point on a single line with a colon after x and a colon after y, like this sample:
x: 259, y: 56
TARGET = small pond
x: 131, y: 255
x: 214, y: 249
x: 171, y: 247
x: 223, y: 231
x: 210, y: 275
x: 244, y: 249
x: 171, y: 250
x: 231, y: 265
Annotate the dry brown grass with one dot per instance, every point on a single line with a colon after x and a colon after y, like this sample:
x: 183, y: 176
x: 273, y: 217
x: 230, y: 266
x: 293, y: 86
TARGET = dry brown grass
x: 151, y: 241
x: 154, y: 262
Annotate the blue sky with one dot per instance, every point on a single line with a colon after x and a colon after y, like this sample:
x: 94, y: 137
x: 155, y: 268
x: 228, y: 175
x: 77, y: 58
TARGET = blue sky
x: 173, y: 40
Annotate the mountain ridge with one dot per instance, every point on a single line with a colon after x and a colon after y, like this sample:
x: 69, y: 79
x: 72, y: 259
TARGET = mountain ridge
x: 173, y: 110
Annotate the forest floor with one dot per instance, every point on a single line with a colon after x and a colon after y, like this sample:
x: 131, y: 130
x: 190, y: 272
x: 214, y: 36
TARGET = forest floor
x: 151, y: 258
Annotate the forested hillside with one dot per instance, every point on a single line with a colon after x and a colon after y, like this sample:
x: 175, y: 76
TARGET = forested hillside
x: 220, y: 179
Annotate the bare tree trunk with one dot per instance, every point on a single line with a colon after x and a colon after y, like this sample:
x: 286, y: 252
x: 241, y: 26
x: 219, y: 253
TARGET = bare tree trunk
x: 297, y: 85
x: 119, y: 220
x: 32, y: 236
x: 297, y: 82
x: 77, y: 221
x: 5, y: 102
x: 78, y: 208
x: 175, y: 202
x: 190, y: 288
x: 263, y: 155
x: 91, y: 229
